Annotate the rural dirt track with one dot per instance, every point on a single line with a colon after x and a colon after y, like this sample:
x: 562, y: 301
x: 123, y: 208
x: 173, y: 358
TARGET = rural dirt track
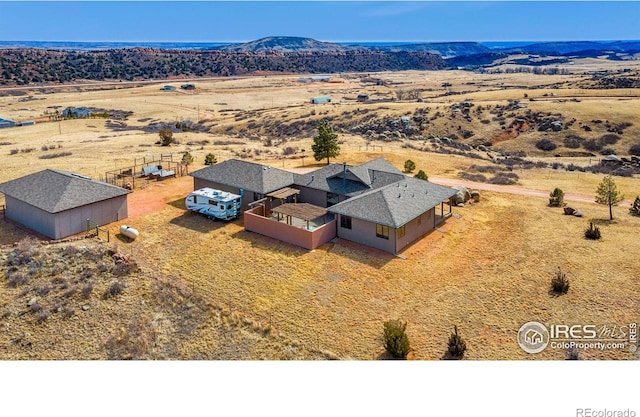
x: 514, y: 190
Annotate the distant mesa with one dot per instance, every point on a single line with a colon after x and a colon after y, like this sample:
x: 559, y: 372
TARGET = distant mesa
x: 286, y: 44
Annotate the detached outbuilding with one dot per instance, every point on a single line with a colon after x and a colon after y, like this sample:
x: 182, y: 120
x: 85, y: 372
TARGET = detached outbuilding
x: 58, y: 203
x: 6, y: 123
x: 320, y: 100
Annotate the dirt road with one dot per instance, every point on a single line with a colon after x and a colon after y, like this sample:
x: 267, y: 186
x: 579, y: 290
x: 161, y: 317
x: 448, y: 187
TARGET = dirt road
x: 509, y: 189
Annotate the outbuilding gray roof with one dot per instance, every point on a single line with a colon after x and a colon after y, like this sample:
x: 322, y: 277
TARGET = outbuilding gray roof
x: 54, y: 191
x: 396, y: 204
x: 246, y: 175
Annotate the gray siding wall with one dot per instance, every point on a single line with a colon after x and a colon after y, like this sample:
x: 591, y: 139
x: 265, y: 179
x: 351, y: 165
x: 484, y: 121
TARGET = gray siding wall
x: 247, y: 198
x: 30, y: 216
x: 365, y: 233
x: 69, y: 222
x: 74, y: 221
x: 414, y: 231
x: 312, y: 196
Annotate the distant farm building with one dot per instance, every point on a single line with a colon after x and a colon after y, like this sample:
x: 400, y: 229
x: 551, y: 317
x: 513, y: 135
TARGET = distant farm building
x: 58, y: 204
x: 27, y: 123
x: 6, y: 123
x: 76, y: 112
x: 320, y: 78
x: 320, y: 100
x: 362, y: 97
x: 168, y: 88
x: 188, y: 86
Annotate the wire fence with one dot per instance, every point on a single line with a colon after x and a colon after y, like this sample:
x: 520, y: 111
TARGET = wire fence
x: 102, y: 234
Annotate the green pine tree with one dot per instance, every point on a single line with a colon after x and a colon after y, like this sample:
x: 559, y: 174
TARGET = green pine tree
x: 608, y: 194
x: 325, y: 144
x: 210, y: 159
x: 421, y: 175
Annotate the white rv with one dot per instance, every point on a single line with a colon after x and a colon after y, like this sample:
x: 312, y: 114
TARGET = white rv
x: 214, y: 204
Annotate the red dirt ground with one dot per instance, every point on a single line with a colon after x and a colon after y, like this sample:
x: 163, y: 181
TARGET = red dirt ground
x: 155, y: 196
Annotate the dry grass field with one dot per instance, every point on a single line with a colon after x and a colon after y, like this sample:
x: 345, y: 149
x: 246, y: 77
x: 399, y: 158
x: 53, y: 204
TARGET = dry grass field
x: 210, y: 290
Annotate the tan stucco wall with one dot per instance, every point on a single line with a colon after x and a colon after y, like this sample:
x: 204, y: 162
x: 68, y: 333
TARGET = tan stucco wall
x: 308, y: 239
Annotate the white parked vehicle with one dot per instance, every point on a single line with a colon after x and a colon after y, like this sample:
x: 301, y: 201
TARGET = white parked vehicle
x: 214, y: 204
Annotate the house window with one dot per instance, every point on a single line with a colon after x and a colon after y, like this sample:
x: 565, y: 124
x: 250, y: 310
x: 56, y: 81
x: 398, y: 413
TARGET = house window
x: 419, y: 220
x: 257, y: 196
x: 345, y: 222
x: 382, y: 231
x: 400, y: 232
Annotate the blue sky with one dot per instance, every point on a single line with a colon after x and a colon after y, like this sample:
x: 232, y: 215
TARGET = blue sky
x: 239, y: 21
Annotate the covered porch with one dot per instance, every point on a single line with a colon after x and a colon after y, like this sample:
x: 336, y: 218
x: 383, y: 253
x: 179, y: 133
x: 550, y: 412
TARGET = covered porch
x: 440, y: 215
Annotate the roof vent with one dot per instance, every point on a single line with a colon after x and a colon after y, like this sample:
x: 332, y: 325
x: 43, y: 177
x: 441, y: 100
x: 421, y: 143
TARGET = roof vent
x: 84, y: 177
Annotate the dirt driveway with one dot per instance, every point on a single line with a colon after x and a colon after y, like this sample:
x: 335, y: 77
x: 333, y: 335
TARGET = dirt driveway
x: 514, y: 190
x: 153, y: 197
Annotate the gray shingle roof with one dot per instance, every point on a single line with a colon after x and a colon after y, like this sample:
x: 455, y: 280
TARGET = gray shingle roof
x: 246, y: 175
x: 371, y: 175
x: 381, y: 164
x: 395, y: 204
x: 54, y: 191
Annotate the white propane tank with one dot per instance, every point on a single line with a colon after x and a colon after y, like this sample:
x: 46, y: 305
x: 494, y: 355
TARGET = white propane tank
x: 128, y: 231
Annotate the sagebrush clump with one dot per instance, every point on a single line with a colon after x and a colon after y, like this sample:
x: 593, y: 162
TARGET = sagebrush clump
x: 457, y: 346
x: 560, y: 283
x: 592, y: 232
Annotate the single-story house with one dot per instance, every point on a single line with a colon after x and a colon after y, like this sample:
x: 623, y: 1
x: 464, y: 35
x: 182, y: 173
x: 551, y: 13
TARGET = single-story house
x: 6, y: 123
x: 374, y: 203
x: 58, y: 203
x: 250, y: 180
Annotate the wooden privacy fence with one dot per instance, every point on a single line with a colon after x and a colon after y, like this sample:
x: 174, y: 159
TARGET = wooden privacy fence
x: 100, y: 233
